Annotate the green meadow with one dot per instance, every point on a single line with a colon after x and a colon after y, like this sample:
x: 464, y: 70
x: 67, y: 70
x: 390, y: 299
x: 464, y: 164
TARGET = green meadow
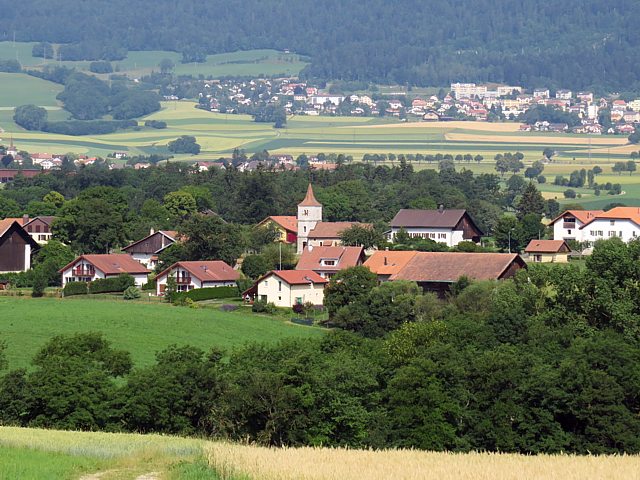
x: 142, y: 329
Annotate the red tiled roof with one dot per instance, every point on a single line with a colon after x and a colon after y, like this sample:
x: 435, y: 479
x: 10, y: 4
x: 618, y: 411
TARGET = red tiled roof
x: 345, y: 257
x: 618, y: 213
x: 288, y: 222
x: 583, y: 215
x: 547, y: 246
x: 207, y: 271
x: 6, y: 224
x: 296, y: 277
x: 388, y: 262
x: 111, y: 263
x: 310, y: 199
x: 333, y: 229
x: 450, y: 266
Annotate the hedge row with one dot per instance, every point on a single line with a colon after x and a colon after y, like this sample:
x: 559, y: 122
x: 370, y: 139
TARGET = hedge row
x: 75, y: 288
x: 212, y: 293
x: 111, y: 285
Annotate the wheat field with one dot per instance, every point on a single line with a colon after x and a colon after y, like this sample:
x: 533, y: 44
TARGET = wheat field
x: 236, y: 461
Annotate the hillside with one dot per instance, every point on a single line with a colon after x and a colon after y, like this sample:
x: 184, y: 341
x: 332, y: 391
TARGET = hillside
x: 136, y: 327
x: 408, y: 41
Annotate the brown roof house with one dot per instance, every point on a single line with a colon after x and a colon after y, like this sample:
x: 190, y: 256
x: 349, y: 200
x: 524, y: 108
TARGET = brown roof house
x: 548, y: 251
x: 312, y: 231
x: 147, y: 249
x: 444, y: 226
x: 436, y: 271
x: 327, y: 261
x: 39, y: 228
x: 16, y: 246
x: 385, y: 263
x: 198, y: 274
x: 87, y: 268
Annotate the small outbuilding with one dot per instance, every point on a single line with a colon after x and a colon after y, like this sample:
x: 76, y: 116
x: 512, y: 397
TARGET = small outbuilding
x: 548, y: 251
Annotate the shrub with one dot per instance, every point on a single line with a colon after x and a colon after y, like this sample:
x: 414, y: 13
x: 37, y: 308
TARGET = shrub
x: 212, y: 293
x: 39, y: 285
x: 569, y: 193
x: 131, y: 293
x: 261, y: 306
x: 159, y: 124
x: 75, y: 288
x: 111, y: 285
x: 298, y: 308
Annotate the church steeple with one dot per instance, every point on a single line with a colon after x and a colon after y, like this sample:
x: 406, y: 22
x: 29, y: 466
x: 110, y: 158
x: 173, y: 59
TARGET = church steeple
x: 309, y: 214
x: 309, y: 199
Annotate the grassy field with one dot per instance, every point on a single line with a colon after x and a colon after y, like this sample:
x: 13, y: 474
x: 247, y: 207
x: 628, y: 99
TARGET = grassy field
x: 31, y: 454
x: 142, y: 329
x: 49, y: 454
x: 253, y: 63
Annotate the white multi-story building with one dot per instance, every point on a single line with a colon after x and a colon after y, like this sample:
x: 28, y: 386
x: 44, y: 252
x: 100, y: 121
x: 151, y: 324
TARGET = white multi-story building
x: 286, y: 288
x: 593, y: 225
x: 468, y: 90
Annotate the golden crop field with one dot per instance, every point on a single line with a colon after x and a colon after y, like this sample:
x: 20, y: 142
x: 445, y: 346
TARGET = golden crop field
x: 232, y: 461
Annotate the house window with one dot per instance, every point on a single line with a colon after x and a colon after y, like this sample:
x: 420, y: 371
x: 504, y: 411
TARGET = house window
x: 304, y: 228
x: 442, y: 235
x: 263, y: 298
x: 279, y: 286
x: 634, y: 233
x: 320, y: 243
x: 569, y: 232
x: 537, y: 258
x: 298, y: 300
x: 600, y: 233
x: 592, y: 233
x: 620, y: 233
x: 266, y: 283
x: 612, y: 222
x: 612, y: 233
x: 330, y: 262
x: 37, y: 228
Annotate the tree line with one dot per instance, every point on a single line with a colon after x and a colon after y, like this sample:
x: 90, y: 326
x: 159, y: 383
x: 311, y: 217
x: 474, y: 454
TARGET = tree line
x: 544, y: 363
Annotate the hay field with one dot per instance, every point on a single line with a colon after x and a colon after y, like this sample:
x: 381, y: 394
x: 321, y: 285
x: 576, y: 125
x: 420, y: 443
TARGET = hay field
x: 479, y: 126
x: 232, y: 461
x: 557, y: 139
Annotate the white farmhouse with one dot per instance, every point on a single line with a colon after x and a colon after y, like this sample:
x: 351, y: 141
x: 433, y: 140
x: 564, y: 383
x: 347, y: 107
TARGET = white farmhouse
x: 567, y: 226
x: 286, y: 288
x: 87, y: 268
x: 444, y: 226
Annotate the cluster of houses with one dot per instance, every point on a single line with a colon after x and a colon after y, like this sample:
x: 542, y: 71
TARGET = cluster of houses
x: 321, y: 254
x: 464, y: 99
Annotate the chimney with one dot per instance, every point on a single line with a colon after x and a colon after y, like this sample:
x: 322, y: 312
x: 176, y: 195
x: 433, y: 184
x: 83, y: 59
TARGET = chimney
x: 385, y: 261
x: 25, y: 219
x: 441, y: 208
x: 152, y: 231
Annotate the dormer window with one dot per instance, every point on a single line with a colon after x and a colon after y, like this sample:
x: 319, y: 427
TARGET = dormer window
x: 329, y: 263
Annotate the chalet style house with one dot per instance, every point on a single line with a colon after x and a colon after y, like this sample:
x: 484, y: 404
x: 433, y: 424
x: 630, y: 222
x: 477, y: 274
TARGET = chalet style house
x: 146, y: 250
x: 16, y: 247
x: 312, y: 231
x: 87, y: 268
x: 443, y: 226
x: 436, y: 271
x: 198, y: 274
x: 548, y: 251
x: 327, y: 261
x: 285, y: 225
x: 286, y: 288
x: 39, y: 228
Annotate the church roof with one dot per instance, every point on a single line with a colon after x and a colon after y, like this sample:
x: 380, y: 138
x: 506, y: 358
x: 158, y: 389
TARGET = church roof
x: 310, y: 199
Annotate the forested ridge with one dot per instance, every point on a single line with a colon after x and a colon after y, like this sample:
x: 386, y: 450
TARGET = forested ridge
x: 573, y: 44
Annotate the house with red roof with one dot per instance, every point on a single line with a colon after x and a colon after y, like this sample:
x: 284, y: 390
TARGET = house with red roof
x: 286, y: 226
x: 437, y: 271
x: 197, y: 274
x: 621, y: 222
x: 87, y: 268
x: 327, y: 261
x: 286, y: 288
x: 567, y: 225
x: 16, y: 246
x: 548, y: 251
x: 147, y: 249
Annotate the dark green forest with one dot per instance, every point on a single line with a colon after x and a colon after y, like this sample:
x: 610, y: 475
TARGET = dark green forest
x: 573, y: 44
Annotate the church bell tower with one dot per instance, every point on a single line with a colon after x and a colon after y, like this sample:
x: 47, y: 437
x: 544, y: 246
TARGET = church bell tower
x: 309, y: 214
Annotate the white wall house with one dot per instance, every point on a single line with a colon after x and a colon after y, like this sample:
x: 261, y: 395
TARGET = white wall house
x: 591, y: 226
x: 190, y: 275
x: 286, y: 288
x: 443, y: 226
x: 87, y: 268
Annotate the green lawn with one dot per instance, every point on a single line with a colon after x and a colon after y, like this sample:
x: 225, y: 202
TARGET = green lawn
x: 35, y: 454
x: 142, y: 329
x: 20, y: 89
